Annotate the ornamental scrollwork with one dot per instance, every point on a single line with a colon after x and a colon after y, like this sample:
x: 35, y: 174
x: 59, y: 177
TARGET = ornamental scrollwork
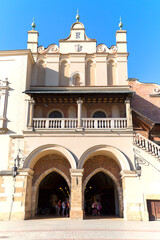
x: 102, y: 48
x: 51, y: 49
x: 156, y: 90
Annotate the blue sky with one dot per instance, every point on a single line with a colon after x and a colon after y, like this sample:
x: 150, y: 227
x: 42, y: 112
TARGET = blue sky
x: 141, y: 19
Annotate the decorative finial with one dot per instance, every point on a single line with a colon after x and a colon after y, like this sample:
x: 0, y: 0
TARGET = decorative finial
x: 77, y: 16
x: 120, y: 24
x: 33, y: 25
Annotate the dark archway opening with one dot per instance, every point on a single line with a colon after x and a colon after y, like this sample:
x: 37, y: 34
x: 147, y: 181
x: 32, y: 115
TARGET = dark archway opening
x: 101, y: 196
x: 52, y: 189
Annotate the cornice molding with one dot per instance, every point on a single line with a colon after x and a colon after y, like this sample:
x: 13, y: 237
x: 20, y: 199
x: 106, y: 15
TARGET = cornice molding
x: 17, y: 52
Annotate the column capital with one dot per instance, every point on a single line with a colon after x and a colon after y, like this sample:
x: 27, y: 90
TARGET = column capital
x: 128, y: 173
x: 128, y: 100
x: 76, y: 172
x: 26, y: 172
x: 79, y: 101
x: 31, y: 101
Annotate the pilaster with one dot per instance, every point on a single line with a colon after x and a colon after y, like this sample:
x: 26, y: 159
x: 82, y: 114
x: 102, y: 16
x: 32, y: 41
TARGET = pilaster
x: 76, y: 211
x: 133, y: 197
x: 31, y: 112
x: 79, y: 102
x: 128, y: 113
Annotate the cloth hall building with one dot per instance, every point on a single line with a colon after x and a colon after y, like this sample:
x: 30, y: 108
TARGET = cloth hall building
x: 73, y: 125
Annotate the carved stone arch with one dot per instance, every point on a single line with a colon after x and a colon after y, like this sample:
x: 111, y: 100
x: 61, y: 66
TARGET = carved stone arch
x: 41, y: 60
x: 73, y: 77
x: 101, y: 170
x: 112, y: 60
x: 90, y: 60
x: 79, y: 24
x: 64, y: 60
x: 118, y: 187
x: 35, y: 187
x: 43, y: 150
x: 106, y: 150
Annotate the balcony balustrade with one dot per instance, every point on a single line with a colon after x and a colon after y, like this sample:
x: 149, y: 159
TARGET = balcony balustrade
x: 72, y: 123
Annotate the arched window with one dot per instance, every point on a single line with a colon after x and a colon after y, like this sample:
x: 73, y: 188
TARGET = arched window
x: 55, y: 114
x: 76, y: 80
x: 99, y: 114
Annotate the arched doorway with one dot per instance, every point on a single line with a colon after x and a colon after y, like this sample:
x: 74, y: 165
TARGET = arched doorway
x: 101, y: 191
x: 52, y: 189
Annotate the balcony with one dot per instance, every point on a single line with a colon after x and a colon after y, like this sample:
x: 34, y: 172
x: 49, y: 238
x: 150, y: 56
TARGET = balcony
x: 86, y: 123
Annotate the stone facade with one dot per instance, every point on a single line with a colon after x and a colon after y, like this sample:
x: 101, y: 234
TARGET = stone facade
x: 69, y: 131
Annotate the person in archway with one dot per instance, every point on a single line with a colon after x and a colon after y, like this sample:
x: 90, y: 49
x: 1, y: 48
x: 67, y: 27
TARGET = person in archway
x: 59, y: 207
x: 94, y: 208
x: 67, y: 207
x: 63, y: 208
x: 99, y: 207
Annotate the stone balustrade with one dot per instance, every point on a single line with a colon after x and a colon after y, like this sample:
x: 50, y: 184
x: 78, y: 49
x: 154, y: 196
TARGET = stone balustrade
x: 72, y: 123
x: 147, y: 145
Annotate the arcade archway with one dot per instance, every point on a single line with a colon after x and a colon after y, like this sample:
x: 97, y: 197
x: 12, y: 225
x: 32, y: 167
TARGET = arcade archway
x: 101, y: 191
x: 52, y: 188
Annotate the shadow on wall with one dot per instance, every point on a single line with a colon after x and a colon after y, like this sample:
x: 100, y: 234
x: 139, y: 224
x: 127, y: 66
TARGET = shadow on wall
x: 47, y: 77
x: 146, y: 108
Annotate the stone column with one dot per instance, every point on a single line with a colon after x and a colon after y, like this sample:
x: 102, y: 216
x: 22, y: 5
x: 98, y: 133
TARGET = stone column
x: 31, y: 112
x: 128, y: 113
x: 76, y: 211
x: 79, y: 102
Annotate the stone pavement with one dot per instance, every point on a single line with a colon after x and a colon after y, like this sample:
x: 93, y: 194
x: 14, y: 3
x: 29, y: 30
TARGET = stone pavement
x: 95, y: 229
